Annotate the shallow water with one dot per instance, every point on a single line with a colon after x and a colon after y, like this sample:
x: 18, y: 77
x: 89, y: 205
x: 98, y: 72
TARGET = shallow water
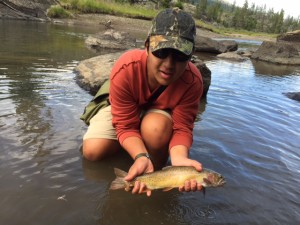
x: 246, y: 129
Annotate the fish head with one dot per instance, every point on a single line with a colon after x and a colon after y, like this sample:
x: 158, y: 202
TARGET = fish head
x: 214, y: 179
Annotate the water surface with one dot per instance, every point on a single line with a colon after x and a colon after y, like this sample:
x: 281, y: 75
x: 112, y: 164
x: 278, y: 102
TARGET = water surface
x: 247, y: 130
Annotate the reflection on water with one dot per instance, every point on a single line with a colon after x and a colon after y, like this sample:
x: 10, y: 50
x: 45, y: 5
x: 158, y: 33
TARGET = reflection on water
x: 270, y: 69
x: 246, y: 129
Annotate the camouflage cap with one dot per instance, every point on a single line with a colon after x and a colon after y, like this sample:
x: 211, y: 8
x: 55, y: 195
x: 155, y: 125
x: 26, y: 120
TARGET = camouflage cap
x: 173, y: 28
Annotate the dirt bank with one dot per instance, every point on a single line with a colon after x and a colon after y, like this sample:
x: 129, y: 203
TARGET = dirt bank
x: 139, y: 27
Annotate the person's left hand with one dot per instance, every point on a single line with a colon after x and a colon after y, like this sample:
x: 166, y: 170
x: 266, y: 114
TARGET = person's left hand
x: 140, y: 166
x: 189, y: 185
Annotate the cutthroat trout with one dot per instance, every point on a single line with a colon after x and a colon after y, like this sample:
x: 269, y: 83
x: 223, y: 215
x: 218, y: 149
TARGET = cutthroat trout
x: 168, y: 178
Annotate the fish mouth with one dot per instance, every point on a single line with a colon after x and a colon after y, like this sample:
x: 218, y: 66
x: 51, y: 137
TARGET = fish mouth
x: 221, y: 182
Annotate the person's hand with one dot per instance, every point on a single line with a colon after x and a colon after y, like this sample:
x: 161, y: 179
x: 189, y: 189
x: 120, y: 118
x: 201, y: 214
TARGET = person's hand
x: 189, y: 185
x: 140, y: 166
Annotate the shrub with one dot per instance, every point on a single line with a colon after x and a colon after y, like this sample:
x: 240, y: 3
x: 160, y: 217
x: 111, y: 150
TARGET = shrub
x: 57, y: 11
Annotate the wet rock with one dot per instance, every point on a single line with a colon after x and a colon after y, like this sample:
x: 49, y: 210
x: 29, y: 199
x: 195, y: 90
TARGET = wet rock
x: 205, y: 44
x: 232, y: 56
x: 205, y: 72
x: 228, y: 45
x: 277, y: 52
x: 110, y: 39
x: 245, y: 53
x: 293, y: 95
x: 91, y: 73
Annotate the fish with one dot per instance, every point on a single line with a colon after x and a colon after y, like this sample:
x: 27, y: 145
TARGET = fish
x: 168, y: 178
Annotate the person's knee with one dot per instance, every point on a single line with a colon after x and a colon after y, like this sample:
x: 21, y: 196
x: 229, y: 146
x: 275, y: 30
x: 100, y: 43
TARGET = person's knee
x: 98, y: 149
x: 90, y: 150
x: 157, y: 128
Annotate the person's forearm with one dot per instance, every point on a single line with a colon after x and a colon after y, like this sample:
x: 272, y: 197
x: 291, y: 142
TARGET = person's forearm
x: 134, y: 146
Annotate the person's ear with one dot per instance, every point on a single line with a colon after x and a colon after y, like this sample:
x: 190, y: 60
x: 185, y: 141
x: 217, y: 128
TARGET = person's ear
x: 147, y: 45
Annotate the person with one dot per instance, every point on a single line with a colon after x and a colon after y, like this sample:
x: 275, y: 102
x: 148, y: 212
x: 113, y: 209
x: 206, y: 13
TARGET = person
x: 152, y: 133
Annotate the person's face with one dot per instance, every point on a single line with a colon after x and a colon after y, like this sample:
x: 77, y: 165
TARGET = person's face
x: 166, y: 67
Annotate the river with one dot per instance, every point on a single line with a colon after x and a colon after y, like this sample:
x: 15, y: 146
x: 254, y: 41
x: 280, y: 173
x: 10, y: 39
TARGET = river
x: 246, y: 129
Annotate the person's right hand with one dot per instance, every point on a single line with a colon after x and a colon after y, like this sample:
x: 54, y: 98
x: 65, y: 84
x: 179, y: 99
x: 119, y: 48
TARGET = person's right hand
x: 140, y: 166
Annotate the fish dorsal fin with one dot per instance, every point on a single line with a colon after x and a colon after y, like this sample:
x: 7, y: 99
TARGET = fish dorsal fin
x: 120, y: 173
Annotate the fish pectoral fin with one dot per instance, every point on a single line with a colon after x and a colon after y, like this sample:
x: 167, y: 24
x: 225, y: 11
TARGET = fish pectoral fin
x: 206, y: 181
x: 167, y: 189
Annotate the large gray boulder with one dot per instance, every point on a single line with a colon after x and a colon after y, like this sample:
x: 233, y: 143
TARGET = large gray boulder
x: 205, y: 44
x: 91, y: 73
x: 286, y: 49
x: 277, y: 52
x: 110, y: 39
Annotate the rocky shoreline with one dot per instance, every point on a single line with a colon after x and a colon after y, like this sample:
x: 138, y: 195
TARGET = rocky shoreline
x: 135, y: 26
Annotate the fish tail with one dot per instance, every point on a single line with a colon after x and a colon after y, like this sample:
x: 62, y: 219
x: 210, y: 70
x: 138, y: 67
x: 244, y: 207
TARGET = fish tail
x: 119, y: 182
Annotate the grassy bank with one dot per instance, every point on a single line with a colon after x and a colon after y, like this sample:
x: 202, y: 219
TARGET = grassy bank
x: 69, y: 8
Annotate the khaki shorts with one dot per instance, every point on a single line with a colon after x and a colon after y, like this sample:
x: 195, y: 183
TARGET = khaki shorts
x: 101, y: 124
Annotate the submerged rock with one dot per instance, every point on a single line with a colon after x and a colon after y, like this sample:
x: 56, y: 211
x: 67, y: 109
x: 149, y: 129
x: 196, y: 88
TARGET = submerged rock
x: 293, y: 95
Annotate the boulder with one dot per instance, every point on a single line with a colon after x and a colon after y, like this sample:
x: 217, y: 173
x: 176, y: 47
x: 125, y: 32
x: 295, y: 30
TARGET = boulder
x: 232, y: 56
x: 277, y: 52
x: 293, y: 95
x: 91, y: 73
x: 205, y: 72
x: 110, y: 39
x: 205, y: 44
x: 293, y: 36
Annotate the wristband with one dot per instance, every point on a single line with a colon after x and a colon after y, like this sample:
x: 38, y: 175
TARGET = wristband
x: 143, y: 154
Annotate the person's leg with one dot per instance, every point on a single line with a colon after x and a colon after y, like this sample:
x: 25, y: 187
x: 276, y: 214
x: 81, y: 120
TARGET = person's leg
x: 156, y: 130
x: 95, y: 149
x: 100, y: 139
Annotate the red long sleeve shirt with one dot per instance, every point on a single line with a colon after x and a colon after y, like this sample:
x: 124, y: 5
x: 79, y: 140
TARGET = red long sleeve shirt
x: 129, y: 91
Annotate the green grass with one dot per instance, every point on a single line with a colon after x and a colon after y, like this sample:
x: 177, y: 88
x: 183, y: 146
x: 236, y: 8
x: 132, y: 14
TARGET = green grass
x: 57, y: 11
x: 114, y: 8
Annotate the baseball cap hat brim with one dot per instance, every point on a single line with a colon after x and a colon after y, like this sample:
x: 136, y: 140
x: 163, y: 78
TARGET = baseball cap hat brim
x: 163, y: 41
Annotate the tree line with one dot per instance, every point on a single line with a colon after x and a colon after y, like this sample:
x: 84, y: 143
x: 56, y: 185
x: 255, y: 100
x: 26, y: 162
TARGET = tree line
x: 251, y: 18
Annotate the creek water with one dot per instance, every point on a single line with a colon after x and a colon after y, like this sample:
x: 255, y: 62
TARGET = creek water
x: 246, y: 129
